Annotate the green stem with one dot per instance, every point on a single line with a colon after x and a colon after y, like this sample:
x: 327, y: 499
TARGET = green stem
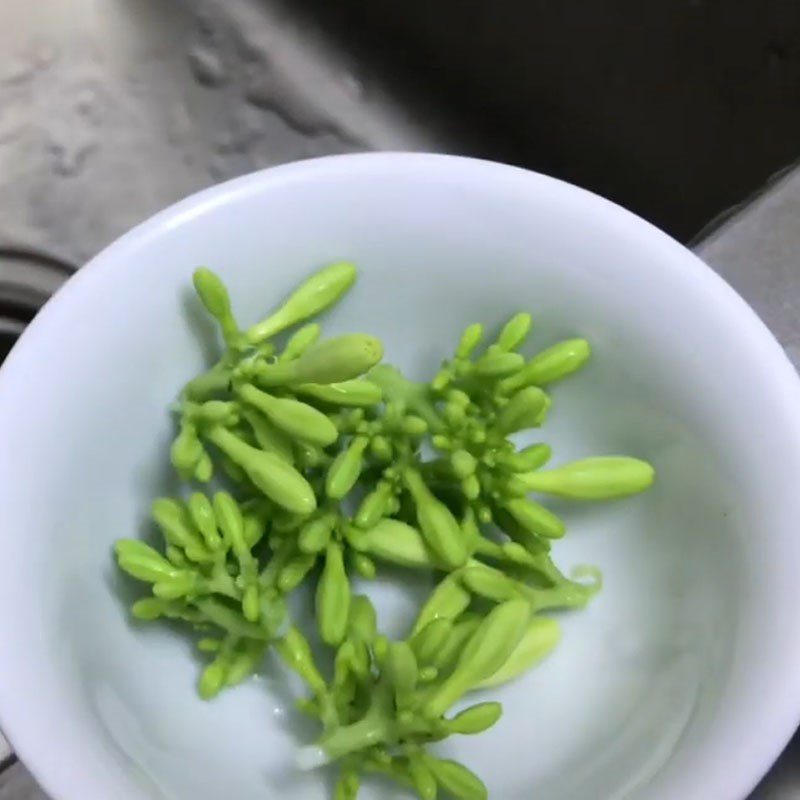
x: 269, y: 575
x: 230, y: 620
x: 372, y: 730
x: 416, y: 485
x: 485, y: 547
x: 414, y: 396
x: 214, y: 381
x: 221, y: 582
x: 568, y: 595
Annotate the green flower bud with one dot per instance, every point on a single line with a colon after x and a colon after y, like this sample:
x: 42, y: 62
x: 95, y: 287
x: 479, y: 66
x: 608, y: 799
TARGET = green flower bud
x: 204, y: 470
x: 485, y: 652
x: 332, y: 361
x: 414, y: 425
x: 523, y: 410
x: 364, y: 566
x: 316, y: 533
x: 550, y: 365
x: 353, y: 535
x: 453, y: 645
x: 295, y: 651
x: 175, y: 524
x: 401, y: 670
x: 300, y: 341
x: 456, y: 779
x: 422, y: 778
x: 517, y: 554
x: 186, y: 450
x: 299, y: 420
x: 600, y: 478
x: 533, y: 542
x: 398, y: 543
x: 279, y: 481
x: 535, y: 518
x: 143, y: 562
x: 437, y: 523
x: 292, y: 575
x: 478, y: 435
x: 428, y: 643
x: 463, y: 463
x: 496, y: 364
x: 229, y: 518
x: 470, y: 339
x: 268, y: 437
x: 459, y: 397
x: 475, y: 719
x: 333, y: 597
x: 447, y: 600
x: 380, y: 647
x: 272, y: 613
x: 202, y: 515
x: 527, y: 460
x: 471, y: 486
x: 347, y: 786
x: 254, y: 529
x: 514, y: 332
x: 214, y: 296
x: 149, y: 608
x: 363, y: 621
x: 176, y: 556
x: 428, y: 674
x: 381, y: 448
x: 471, y: 531
x: 359, y: 392
x: 374, y: 505
x: 178, y: 584
x: 346, y: 469
x: 308, y: 456
x: 316, y: 294
x: 217, y: 412
x: 538, y: 641
x: 442, y: 442
x: 212, y: 679
x: 486, y: 548
x: 489, y: 583
x: 455, y: 415
x: 360, y: 659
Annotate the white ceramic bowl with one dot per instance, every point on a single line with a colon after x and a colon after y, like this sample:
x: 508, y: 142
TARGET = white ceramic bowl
x: 682, y: 680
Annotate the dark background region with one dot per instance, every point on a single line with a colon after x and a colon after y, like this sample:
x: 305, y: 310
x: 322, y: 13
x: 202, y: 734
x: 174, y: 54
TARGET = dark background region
x: 677, y: 109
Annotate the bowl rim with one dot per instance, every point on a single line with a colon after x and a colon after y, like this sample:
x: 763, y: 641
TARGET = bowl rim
x: 50, y: 759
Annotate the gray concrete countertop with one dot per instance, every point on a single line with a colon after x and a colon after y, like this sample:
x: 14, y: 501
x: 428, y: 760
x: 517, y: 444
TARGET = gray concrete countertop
x: 111, y: 111
x: 758, y: 253
x: 16, y: 783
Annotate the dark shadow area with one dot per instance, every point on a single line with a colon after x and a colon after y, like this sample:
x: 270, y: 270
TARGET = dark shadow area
x: 677, y: 109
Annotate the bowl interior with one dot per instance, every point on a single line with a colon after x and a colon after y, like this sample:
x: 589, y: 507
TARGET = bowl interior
x: 638, y: 696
